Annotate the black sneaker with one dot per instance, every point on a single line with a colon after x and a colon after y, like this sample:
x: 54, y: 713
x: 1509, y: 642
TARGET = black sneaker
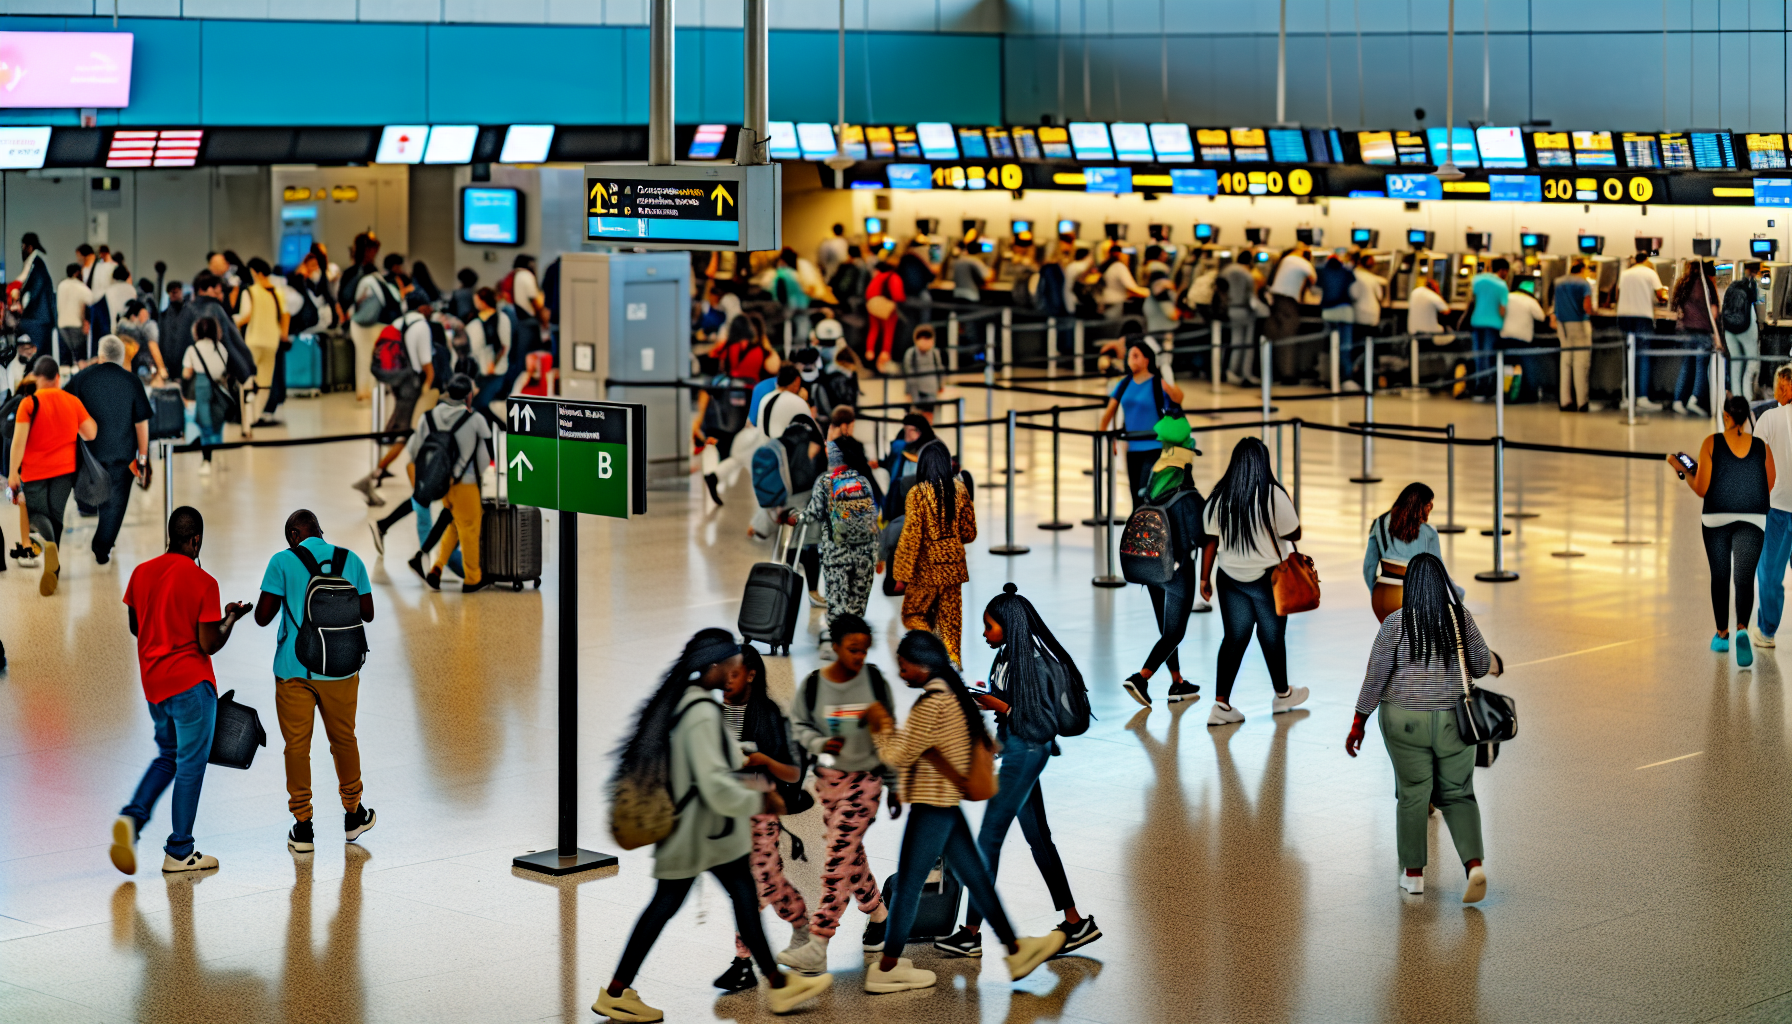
x: 300, y: 839
x: 434, y: 579
x: 963, y: 942
x: 1079, y: 934
x: 710, y: 481
x: 416, y: 564
x: 357, y: 821
x: 738, y: 977
x: 1138, y: 689
x: 379, y: 537
x: 873, y: 941
x: 1182, y: 690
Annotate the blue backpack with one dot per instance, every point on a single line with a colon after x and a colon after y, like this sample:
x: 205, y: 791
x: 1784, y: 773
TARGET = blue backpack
x: 771, y: 476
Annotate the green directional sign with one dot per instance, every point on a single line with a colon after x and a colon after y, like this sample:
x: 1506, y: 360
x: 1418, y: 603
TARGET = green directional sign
x: 576, y: 456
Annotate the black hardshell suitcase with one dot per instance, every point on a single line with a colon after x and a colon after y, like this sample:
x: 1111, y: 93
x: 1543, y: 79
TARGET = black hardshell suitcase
x: 339, y: 361
x: 167, y: 413
x: 772, y: 599
x: 510, y: 543
x: 937, y: 914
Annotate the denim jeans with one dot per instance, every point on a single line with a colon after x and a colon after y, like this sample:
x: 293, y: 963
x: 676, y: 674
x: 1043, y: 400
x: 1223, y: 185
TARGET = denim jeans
x: 105, y: 532
x: 1640, y: 326
x: 183, y: 744
x: 1482, y: 341
x: 933, y: 832
x: 1245, y: 607
x: 1346, y: 332
x: 1770, y: 572
x: 1019, y: 795
x: 1241, y: 346
x: 1173, y: 602
x: 1690, y: 383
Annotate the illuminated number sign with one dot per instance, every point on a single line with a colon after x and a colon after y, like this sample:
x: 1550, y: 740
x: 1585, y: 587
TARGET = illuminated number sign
x: 1265, y: 183
x: 974, y: 177
x: 1639, y: 188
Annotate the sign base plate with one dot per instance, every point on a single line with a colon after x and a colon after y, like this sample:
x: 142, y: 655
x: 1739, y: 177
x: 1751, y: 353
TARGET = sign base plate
x: 549, y: 862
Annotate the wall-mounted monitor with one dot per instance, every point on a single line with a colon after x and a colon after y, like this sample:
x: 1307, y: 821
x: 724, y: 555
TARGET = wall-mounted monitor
x: 23, y: 148
x: 1207, y: 234
x: 973, y: 143
x: 1172, y: 143
x: 1552, y: 149
x: 1594, y: 149
x: 913, y: 176
x: 1766, y: 151
x: 1215, y: 143
x: 402, y: 144
x: 855, y: 141
x: 450, y: 144
x: 1532, y: 241
x: 1287, y: 146
x: 1026, y: 144
x: 1462, y: 147
x: 816, y: 140
x: 1132, y: 141
x: 938, y: 141
x: 1364, y: 237
x: 783, y: 144
x: 1001, y: 145
x: 1500, y: 148
x: 1478, y: 241
x: 1590, y: 245
x: 1642, y: 149
x: 1256, y: 236
x: 491, y: 215
x: 1763, y: 248
x: 1418, y: 238
x: 1649, y: 244
x: 529, y: 143
x: 1069, y: 228
x: 65, y: 69
x: 1712, y: 151
x: 1249, y: 145
x: 1054, y: 142
x: 1022, y: 230
x: 908, y: 144
x: 1115, y: 180
x: 880, y: 142
x: 1676, y: 150
x: 706, y: 144
x: 874, y: 225
x: 1090, y: 140
x: 1310, y: 236
x: 1706, y: 247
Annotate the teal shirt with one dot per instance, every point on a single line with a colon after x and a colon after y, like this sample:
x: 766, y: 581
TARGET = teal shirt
x: 1490, y: 294
x: 286, y: 578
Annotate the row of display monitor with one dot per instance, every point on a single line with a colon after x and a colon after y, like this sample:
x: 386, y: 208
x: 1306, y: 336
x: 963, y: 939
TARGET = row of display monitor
x: 1168, y: 143
x: 29, y: 147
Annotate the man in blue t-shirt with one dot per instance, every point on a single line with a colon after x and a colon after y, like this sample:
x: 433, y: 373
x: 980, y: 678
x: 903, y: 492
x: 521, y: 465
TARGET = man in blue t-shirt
x: 1487, y: 316
x: 297, y: 692
x: 1574, y: 319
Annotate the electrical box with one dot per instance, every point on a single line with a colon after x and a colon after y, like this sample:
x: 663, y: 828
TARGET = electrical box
x: 626, y: 318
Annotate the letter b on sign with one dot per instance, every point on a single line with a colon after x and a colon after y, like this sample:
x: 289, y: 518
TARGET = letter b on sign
x: 603, y: 465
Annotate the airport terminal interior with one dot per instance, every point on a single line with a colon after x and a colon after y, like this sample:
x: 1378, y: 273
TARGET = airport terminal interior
x: 1067, y: 262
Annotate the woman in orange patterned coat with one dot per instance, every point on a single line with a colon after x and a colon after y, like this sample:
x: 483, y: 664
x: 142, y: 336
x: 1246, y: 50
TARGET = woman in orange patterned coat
x: 930, y: 568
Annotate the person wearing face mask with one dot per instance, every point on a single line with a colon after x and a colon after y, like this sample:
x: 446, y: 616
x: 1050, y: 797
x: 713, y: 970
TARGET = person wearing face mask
x: 681, y: 742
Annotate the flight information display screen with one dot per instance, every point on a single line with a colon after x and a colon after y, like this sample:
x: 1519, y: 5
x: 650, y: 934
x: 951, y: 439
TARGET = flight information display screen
x: 1189, y: 181
x: 1215, y: 145
x: 1773, y: 191
x: 1249, y: 144
x: 816, y: 139
x: 1054, y: 142
x: 909, y: 175
x: 1108, y: 179
x: 1552, y: 149
x: 783, y: 144
x: 1515, y: 188
x: 1676, y: 150
x: 1640, y: 150
x: 1090, y: 139
x: 1132, y: 141
x: 1462, y: 146
x: 938, y: 142
x: 1000, y: 145
x: 973, y: 144
x: 1594, y: 149
x: 1766, y: 151
x: 879, y: 141
x: 1501, y: 147
x: 1711, y: 151
x: 706, y: 144
x: 1026, y: 144
x: 908, y: 145
x: 1287, y: 146
x: 1173, y: 143
x: 1391, y: 148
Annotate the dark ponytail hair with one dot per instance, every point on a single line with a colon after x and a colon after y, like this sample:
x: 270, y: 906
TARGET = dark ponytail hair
x: 1032, y: 707
x: 926, y: 650
x: 1737, y: 408
x: 647, y: 752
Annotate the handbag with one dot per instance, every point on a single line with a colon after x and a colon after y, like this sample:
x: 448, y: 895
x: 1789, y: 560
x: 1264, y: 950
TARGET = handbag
x: 980, y: 784
x: 1295, y: 581
x: 237, y: 733
x: 1483, y: 717
x: 92, y: 486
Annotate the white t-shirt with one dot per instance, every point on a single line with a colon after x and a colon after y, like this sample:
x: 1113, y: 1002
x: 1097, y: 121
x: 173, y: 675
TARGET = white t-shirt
x: 116, y: 296
x: 1073, y: 270
x: 524, y: 289
x: 1775, y: 428
x: 831, y: 254
x: 1422, y: 309
x: 778, y: 409
x: 483, y: 352
x: 1636, y: 291
x: 206, y: 355
x: 1115, y: 282
x: 72, y: 300
x: 414, y: 326
x: 1251, y: 562
x: 1522, y: 316
x: 1368, y: 303
x: 1293, y: 276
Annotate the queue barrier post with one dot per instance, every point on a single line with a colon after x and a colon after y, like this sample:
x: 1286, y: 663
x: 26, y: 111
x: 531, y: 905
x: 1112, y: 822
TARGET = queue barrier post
x: 1107, y: 577
x: 1265, y: 362
x: 1450, y: 525
x: 989, y: 396
x: 1008, y: 547
x: 1051, y: 348
x: 1279, y: 452
x: 374, y: 408
x: 1007, y: 343
x: 1336, y: 375
x: 1055, y: 523
x: 1413, y: 365
x: 1630, y: 382
x: 1499, y: 572
x: 1368, y: 474
x: 958, y: 427
x: 789, y: 337
x: 952, y: 341
x: 1213, y: 346
x: 1629, y: 539
x: 1296, y: 425
x: 1078, y: 340
x: 167, y: 490
x: 1719, y: 376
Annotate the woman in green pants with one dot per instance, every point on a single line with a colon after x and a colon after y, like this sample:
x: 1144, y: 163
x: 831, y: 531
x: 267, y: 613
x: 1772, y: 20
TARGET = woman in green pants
x: 1414, y: 678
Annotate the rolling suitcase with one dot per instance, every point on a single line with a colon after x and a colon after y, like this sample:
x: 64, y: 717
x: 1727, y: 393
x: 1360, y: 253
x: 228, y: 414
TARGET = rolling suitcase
x: 774, y: 595
x: 510, y: 543
x: 305, y: 366
x: 167, y: 413
x: 937, y: 913
x: 339, y: 362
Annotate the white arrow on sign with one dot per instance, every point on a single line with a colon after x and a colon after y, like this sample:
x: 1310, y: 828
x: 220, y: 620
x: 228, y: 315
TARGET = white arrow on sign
x: 523, y: 460
x: 522, y: 417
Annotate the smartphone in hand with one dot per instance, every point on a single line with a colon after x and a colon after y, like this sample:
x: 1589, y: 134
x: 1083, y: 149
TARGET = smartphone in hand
x: 1687, y: 464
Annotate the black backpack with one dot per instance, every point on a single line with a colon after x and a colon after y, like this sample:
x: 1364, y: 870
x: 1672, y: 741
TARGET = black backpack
x: 1739, y: 307
x: 306, y: 317
x: 332, y: 640
x: 1149, y: 545
x: 441, y: 356
x: 438, y: 461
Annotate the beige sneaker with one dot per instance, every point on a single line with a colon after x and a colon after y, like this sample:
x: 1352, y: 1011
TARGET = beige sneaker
x: 625, y: 1007
x: 195, y: 861
x: 1761, y: 639
x: 124, y: 844
x: 1033, y: 952
x: 809, y: 958
x: 900, y: 978
x: 46, y: 584
x: 798, y: 989
x: 1477, y: 885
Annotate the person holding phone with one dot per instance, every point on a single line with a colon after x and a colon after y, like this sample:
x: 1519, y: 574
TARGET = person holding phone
x: 1734, y: 474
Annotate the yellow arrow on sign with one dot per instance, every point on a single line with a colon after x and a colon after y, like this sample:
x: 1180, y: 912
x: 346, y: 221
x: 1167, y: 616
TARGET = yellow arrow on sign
x: 720, y: 195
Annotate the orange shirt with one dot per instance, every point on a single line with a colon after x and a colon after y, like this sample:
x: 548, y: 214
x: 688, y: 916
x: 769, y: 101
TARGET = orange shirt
x: 55, y: 417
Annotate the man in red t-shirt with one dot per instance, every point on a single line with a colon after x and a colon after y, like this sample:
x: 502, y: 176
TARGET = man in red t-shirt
x: 42, y: 474
x: 175, y: 618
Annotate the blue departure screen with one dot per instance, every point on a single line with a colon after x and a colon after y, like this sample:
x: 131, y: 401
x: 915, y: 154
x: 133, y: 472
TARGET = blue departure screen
x: 1515, y: 188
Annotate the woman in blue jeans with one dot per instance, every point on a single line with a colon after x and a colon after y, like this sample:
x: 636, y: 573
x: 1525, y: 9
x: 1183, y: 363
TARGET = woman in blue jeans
x: 1695, y: 301
x: 1029, y: 719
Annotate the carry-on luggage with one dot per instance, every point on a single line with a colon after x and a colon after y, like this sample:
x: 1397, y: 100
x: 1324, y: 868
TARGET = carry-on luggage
x: 236, y: 734
x: 773, y: 596
x: 339, y: 362
x: 510, y: 543
x: 305, y: 366
x: 167, y: 413
x: 937, y: 914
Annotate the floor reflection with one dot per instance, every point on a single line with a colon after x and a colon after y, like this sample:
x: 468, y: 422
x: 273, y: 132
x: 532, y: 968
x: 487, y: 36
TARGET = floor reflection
x: 325, y: 985
x: 177, y: 985
x: 1437, y: 976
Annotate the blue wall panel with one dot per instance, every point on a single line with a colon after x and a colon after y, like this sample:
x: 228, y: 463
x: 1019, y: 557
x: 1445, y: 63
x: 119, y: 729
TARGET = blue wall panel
x: 520, y: 74
x: 165, y: 71
x: 257, y: 72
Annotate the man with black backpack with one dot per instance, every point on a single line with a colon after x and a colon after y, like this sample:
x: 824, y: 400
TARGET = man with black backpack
x: 404, y: 361
x: 322, y: 597
x: 451, y: 445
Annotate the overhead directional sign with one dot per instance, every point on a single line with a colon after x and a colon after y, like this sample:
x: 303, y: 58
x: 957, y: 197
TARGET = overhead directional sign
x: 577, y: 456
x: 683, y: 207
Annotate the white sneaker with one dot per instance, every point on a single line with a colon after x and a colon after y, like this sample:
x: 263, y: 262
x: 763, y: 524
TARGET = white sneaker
x: 1413, y: 884
x: 1679, y: 408
x: 1477, y: 885
x: 1761, y: 639
x: 1693, y: 408
x: 809, y: 958
x: 1223, y: 715
x: 124, y: 844
x: 1201, y: 606
x: 900, y: 978
x: 817, y: 600
x: 1295, y: 698
x: 626, y: 1007
x: 205, y: 467
x: 1032, y: 952
x: 798, y: 989
x: 799, y: 937
x: 1351, y: 385
x: 195, y: 861
x: 1647, y: 406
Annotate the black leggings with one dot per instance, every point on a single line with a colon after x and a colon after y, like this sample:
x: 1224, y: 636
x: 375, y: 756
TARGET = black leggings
x: 1248, y: 606
x: 1138, y: 471
x: 737, y: 878
x: 1173, y: 601
x: 1743, y: 542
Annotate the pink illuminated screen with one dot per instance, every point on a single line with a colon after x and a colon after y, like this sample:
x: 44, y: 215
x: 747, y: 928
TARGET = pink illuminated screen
x: 65, y: 69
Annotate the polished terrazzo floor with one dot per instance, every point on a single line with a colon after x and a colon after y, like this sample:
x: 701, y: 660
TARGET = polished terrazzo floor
x: 1240, y: 874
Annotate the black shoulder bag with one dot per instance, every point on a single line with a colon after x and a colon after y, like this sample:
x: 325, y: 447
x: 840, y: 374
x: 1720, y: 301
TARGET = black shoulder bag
x: 1483, y: 718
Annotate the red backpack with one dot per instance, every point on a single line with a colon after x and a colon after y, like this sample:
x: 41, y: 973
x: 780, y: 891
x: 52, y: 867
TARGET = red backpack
x: 389, y: 354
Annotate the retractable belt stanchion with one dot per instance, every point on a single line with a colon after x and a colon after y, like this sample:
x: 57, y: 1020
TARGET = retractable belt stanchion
x: 1719, y: 377
x: 1096, y: 518
x: 1413, y: 360
x: 1499, y: 573
x: 958, y: 427
x: 1297, y: 426
x: 1007, y: 343
x: 373, y: 409
x: 1279, y: 453
x: 167, y: 490
x: 1368, y: 475
x: 1629, y: 539
x: 1337, y: 374
x: 1078, y: 339
x: 1450, y: 524
x: 1266, y: 359
x: 1630, y: 381
x: 1055, y: 523
x: 1008, y: 547
x: 952, y: 341
x: 789, y: 336
x: 1051, y: 346
x: 1499, y: 459
x: 989, y: 396
x: 1106, y: 533
x: 1213, y: 343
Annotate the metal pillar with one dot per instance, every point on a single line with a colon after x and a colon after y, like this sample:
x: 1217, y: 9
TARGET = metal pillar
x: 1008, y: 547
x: 1055, y: 523
x: 754, y: 135
x: 660, y: 99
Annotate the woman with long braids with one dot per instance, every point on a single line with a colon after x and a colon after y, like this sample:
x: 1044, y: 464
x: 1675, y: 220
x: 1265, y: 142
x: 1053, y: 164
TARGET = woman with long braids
x: 939, y: 522
x: 1247, y: 519
x: 1415, y: 681
x: 681, y: 742
x: 1395, y: 538
x: 931, y: 754
x: 1031, y: 668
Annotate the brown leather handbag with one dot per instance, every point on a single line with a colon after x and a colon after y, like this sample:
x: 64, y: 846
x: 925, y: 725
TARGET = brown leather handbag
x: 1296, y: 582
x: 981, y: 783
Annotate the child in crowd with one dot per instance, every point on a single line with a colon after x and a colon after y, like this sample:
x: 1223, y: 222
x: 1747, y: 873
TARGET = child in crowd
x: 844, y: 505
x: 921, y: 369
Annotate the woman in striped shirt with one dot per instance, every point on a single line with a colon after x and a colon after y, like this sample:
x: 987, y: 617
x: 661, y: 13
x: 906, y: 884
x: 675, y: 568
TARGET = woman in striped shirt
x: 931, y: 754
x: 1416, y: 680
